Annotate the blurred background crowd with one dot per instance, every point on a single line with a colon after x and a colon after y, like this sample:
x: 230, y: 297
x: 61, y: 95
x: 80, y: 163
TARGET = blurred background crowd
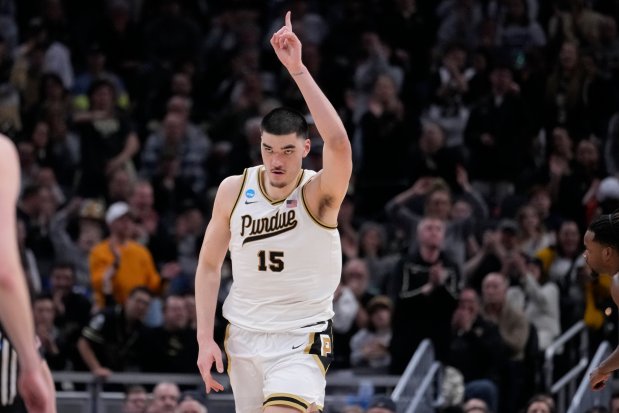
x: 485, y: 136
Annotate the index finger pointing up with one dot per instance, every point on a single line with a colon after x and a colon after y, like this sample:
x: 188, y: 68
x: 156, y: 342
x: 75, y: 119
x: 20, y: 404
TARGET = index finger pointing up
x: 288, y: 22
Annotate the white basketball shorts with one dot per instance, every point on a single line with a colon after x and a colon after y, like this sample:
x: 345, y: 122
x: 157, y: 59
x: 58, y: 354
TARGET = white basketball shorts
x: 279, y: 368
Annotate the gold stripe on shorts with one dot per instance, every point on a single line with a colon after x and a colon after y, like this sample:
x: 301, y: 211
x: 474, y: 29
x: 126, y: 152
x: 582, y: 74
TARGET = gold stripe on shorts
x: 286, y: 399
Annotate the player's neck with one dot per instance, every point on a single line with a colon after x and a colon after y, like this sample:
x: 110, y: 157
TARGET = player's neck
x: 280, y: 193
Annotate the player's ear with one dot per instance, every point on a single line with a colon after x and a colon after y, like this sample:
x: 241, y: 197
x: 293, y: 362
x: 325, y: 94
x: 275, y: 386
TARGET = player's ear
x: 307, y: 145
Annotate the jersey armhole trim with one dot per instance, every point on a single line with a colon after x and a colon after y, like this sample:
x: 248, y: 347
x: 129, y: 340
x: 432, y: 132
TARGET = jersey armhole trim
x: 238, y: 196
x: 316, y: 220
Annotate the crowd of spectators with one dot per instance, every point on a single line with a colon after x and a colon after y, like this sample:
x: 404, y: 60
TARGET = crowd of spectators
x: 485, y: 136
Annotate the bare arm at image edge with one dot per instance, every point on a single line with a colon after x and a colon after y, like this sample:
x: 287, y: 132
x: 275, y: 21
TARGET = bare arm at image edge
x: 15, y: 311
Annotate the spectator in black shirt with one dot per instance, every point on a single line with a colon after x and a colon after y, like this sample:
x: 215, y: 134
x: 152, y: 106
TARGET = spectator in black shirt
x: 109, y: 341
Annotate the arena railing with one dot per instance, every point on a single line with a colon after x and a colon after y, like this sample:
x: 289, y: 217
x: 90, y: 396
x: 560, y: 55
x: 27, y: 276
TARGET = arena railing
x: 584, y: 398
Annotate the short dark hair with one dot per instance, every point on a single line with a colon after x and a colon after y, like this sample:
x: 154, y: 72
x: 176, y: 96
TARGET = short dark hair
x: 605, y: 229
x: 140, y: 289
x: 282, y: 121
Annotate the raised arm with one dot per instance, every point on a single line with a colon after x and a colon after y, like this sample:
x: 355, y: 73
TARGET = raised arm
x: 208, y: 276
x: 331, y: 184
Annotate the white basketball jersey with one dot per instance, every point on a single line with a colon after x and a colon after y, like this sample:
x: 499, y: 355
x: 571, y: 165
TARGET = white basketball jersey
x: 286, y: 265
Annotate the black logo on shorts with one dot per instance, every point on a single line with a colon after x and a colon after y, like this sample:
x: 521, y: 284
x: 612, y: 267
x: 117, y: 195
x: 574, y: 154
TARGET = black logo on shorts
x: 296, y: 347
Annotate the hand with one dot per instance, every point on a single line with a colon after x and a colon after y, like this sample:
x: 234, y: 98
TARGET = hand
x: 209, y: 353
x: 487, y: 139
x: 170, y: 270
x: 438, y: 274
x: 597, y: 379
x: 287, y: 47
x: 462, y: 177
x: 35, y: 390
x: 102, y: 372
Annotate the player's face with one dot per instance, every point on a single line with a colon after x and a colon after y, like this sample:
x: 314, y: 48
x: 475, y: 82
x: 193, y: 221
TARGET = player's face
x: 594, y: 253
x: 282, y: 156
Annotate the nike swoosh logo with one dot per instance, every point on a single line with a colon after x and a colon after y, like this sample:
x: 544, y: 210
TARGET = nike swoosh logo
x: 296, y: 347
x: 250, y: 202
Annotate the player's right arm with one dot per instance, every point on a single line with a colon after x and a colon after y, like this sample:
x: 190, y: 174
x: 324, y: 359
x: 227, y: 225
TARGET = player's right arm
x: 15, y: 311
x: 602, y: 373
x: 208, y: 275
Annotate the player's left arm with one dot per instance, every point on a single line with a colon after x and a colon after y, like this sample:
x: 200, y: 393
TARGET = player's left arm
x: 331, y: 183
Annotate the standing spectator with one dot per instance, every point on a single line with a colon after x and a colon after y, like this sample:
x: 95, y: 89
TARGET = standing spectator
x: 563, y: 263
x: 497, y: 135
x: 171, y: 348
x: 188, y: 145
x: 89, y: 215
x: 108, y: 141
x: 532, y: 235
x: 119, y: 264
x: 424, y: 287
x: 108, y: 342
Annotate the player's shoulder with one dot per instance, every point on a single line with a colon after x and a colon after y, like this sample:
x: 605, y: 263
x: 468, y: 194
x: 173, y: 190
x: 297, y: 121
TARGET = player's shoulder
x: 231, y: 186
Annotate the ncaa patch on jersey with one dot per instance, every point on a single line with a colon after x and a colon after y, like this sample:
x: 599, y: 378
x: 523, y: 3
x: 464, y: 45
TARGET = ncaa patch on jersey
x: 250, y: 193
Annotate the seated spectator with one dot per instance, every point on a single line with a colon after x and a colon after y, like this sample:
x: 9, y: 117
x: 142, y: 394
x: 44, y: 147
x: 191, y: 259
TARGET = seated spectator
x: 53, y: 344
x: 370, y: 345
x: 190, y: 406
x: 166, y: 396
x: 476, y: 350
x: 537, y: 296
x: 109, y: 342
x: 72, y: 309
x: 136, y: 399
x: 514, y: 329
x: 475, y: 406
x: 540, y: 403
x: 381, y: 404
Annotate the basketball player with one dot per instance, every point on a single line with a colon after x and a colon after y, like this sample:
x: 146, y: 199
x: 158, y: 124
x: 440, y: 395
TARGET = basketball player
x: 602, y: 255
x: 279, y: 223
x: 18, y: 347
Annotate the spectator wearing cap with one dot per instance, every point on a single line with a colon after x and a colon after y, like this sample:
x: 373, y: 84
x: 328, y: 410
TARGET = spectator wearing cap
x: 370, y: 345
x: 475, y: 405
x: 118, y: 264
x: 607, y: 195
x: 381, y: 404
